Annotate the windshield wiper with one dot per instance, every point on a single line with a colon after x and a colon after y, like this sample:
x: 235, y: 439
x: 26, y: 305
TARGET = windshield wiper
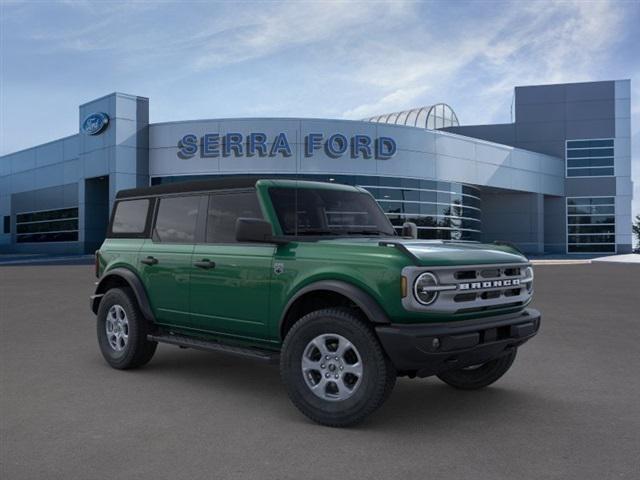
x: 340, y: 232
x: 317, y: 231
x: 364, y: 232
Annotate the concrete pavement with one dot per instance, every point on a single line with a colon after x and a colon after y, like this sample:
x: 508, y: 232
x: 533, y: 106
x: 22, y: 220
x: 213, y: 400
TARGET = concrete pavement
x: 568, y: 409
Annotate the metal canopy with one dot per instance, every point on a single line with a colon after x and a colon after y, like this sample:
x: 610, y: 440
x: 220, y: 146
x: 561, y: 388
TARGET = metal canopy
x: 431, y: 117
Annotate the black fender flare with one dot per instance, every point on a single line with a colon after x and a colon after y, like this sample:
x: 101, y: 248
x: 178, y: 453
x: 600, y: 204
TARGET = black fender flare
x: 363, y: 300
x: 133, y: 281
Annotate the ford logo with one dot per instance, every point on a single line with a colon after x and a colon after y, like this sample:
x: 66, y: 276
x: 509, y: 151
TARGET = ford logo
x: 95, y: 123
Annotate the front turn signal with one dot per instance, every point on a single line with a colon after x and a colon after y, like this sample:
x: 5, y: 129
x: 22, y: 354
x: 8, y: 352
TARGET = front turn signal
x: 403, y: 286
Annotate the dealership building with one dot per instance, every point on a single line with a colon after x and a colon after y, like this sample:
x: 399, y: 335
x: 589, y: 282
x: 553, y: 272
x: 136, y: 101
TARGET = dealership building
x: 556, y: 180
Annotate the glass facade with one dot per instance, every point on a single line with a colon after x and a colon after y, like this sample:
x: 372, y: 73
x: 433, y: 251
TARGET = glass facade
x: 441, y: 210
x: 591, y: 225
x: 590, y: 158
x: 47, y: 226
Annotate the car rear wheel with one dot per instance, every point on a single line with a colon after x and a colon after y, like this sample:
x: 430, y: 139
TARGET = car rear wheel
x: 122, y: 330
x: 334, y: 368
x: 479, y: 376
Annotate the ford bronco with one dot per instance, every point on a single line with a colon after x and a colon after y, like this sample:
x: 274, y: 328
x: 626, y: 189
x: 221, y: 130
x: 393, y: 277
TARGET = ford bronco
x: 313, y: 276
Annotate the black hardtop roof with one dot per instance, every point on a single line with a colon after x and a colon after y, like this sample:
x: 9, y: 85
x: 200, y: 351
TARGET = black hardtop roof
x: 192, y: 186
x: 228, y: 183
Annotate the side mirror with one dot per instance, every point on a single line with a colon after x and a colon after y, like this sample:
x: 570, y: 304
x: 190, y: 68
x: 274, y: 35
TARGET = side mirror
x: 409, y: 229
x: 255, y: 230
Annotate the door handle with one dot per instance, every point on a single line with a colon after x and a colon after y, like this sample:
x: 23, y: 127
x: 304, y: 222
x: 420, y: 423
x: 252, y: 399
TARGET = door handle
x: 149, y: 260
x: 205, y: 263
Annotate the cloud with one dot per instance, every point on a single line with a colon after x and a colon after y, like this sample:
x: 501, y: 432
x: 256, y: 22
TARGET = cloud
x: 394, y: 101
x: 329, y: 58
x: 261, y: 32
x: 213, y: 35
x: 525, y: 44
x: 400, y: 53
x: 83, y: 26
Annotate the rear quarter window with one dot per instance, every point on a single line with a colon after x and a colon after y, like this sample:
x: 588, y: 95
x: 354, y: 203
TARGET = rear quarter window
x: 130, y: 217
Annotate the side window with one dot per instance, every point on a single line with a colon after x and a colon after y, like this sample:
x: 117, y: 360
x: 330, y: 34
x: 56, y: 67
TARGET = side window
x: 130, y: 216
x: 176, y: 219
x: 225, y: 209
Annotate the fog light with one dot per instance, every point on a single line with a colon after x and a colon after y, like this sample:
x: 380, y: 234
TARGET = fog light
x: 435, y: 343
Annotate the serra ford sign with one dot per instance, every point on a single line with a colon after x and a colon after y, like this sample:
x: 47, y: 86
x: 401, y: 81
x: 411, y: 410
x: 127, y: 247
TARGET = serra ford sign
x: 258, y: 144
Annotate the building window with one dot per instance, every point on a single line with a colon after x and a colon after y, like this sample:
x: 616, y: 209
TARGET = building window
x: 7, y: 224
x: 441, y: 210
x: 591, y: 225
x: 590, y: 158
x: 47, y: 226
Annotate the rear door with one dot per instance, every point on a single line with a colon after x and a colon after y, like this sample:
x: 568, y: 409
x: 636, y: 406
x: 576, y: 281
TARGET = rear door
x: 165, y: 259
x: 230, y: 281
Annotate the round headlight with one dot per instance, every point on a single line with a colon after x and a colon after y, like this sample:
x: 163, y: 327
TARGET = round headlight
x: 528, y: 274
x: 423, y: 288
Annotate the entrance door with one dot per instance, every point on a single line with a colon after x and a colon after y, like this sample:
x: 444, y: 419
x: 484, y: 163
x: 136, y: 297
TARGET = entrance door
x: 96, y: 212
x: 230, y: 281
x: 165, y: 259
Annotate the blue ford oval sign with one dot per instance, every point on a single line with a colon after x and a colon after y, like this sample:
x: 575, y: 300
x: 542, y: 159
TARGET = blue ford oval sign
x: 95, y: 123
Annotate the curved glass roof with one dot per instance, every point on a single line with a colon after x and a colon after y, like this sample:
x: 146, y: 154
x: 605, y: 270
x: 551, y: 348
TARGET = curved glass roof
x: 431, y: 117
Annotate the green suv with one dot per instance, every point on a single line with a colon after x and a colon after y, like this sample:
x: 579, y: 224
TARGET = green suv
x: 313, y: 276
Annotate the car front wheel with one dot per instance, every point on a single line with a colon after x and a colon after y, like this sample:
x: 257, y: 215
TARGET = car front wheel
x: 334, y: 368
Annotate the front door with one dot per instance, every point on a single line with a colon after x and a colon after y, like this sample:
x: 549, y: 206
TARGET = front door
x: 165, y: 259
x: 230, y: 281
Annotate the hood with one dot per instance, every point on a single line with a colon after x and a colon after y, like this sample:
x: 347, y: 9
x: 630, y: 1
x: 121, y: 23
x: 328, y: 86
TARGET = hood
x: 442, y: 253
x: 438, y: 253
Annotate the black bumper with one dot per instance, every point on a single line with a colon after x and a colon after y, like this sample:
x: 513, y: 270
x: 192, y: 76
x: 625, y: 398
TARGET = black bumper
x: 428, y: 349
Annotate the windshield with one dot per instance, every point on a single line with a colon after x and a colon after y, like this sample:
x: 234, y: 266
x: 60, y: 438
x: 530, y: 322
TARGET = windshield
x: 309, y: 211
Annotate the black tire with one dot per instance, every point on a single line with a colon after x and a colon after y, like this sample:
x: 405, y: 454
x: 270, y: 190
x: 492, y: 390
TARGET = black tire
x: 138, y: 350
x: 378, y: 374
x: 474, y: 378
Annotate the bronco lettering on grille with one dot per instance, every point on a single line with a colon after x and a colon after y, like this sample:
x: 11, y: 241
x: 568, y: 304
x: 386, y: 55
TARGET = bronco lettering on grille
x: 489, y: 284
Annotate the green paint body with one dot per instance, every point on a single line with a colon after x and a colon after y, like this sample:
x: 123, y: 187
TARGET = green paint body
x: 246, y: 295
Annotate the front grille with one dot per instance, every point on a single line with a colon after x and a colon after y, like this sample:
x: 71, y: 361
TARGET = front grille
x: 465, y: 297
x: 491, y: 294
x: 487, y: 273
x: 466, y: 275
x: 495, y: 272
x: 477, y: 288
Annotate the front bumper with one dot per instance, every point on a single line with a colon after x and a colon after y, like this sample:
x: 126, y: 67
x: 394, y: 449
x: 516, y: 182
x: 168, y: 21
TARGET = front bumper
x: 429, y: 349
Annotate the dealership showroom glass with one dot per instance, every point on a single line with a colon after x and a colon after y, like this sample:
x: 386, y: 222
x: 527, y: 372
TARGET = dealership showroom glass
x: 556, y: 180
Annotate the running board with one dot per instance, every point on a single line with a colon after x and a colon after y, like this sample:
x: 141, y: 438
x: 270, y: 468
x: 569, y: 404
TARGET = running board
x: 215, y: 346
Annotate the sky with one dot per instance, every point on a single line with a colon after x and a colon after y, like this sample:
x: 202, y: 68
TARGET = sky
x: 326, y: 59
